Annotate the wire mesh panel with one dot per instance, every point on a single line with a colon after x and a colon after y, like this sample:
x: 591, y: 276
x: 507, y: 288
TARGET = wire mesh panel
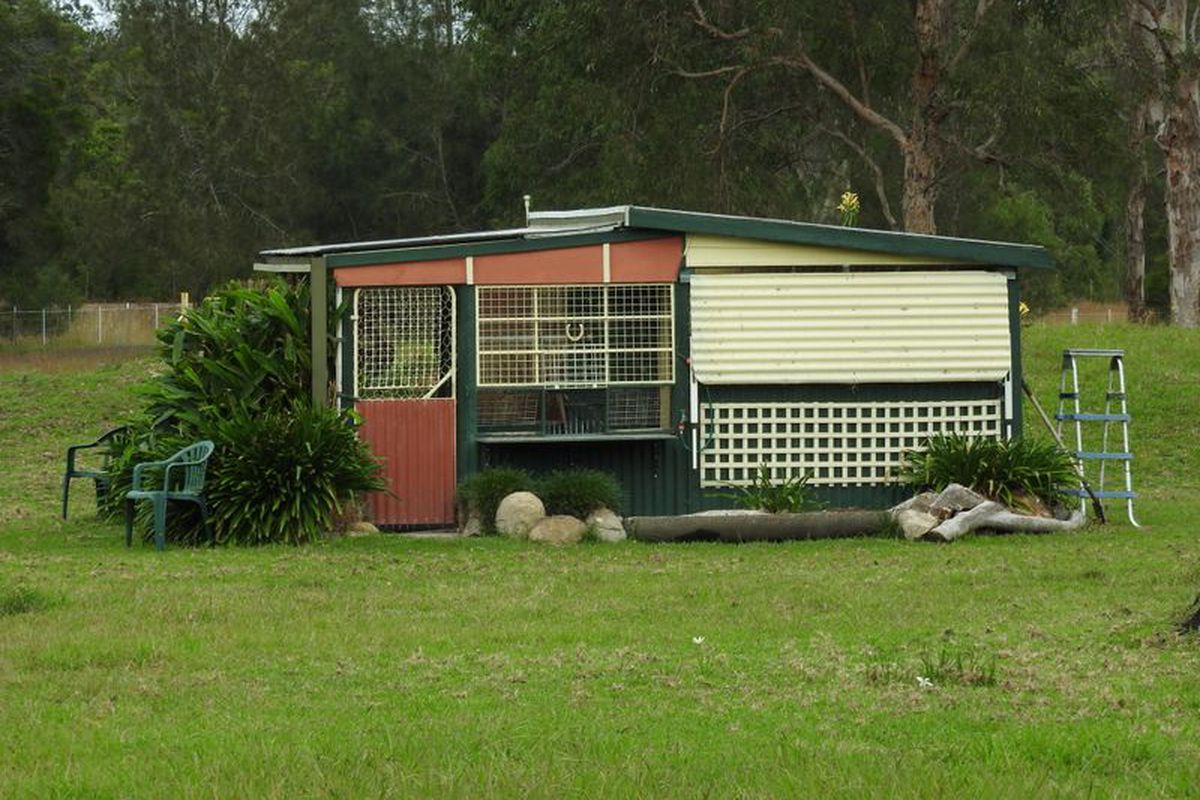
x: 404, y: 342
x: 835, y: 444
x: 575, y: 335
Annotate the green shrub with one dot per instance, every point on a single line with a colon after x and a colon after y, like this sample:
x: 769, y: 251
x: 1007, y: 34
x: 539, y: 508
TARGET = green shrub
x: 1007, y: 470
x: 237, y: 371
x: 579, y: 492
x: 765, y: 493
x: 484, y: 490
x: 281, y: 476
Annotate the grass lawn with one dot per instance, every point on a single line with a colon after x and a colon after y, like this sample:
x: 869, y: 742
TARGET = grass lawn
x: 388, y: 666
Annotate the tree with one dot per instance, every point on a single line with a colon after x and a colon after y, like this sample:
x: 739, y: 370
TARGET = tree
x: 1173, y: 31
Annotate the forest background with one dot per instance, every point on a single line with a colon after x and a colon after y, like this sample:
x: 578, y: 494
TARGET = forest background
x: 149, y: 147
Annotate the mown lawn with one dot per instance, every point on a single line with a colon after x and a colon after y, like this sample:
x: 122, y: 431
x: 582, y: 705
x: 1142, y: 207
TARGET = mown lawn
x: 396, y: 667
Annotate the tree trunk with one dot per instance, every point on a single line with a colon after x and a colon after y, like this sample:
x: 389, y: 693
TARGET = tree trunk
x: 1179, y: 139
x: 924, y: 149
x: 1135, y: 246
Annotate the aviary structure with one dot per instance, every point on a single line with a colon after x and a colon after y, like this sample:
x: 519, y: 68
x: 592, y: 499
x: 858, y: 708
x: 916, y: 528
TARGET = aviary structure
x: 680, y: 351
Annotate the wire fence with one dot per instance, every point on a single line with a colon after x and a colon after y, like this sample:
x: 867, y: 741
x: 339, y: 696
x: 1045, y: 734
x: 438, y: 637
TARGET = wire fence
x: 93, y: 324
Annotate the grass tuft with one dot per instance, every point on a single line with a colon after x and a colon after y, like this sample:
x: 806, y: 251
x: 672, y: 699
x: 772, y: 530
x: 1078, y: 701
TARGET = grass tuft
x: 23, y: 600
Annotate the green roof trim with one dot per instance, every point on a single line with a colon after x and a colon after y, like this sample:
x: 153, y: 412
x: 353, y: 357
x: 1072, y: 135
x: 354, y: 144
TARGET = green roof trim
x: 975, y: 251
x: 487, y: 248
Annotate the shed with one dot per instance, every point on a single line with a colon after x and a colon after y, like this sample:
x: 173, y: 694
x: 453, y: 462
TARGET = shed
x: 681, y: 351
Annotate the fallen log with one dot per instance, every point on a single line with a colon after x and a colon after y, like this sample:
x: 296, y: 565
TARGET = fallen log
x: 756, y: 527
x: 994, y: 516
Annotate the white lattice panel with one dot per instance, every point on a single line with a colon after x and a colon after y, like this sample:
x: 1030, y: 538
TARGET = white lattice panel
x: 567, y: 336
x: 404, y: 341
x: 835, y: 444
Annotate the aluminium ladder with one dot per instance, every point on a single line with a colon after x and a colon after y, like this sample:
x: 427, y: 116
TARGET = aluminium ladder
x: 1116, y: 411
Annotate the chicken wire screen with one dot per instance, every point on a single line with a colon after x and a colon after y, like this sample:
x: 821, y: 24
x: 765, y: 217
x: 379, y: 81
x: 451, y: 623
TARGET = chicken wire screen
x: 404, y: 341
x: 575, y: 335
x: 835, y: 444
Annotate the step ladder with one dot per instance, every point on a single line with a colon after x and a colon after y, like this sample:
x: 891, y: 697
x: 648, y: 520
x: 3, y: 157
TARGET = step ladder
x: 1116, y: 411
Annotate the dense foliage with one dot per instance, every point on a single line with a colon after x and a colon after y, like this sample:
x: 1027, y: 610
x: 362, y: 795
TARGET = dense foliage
x: 786, y: 495
x: 1013, y: 471
x: 130, y: 166
x: 579, y: 492
x: 236, y: 371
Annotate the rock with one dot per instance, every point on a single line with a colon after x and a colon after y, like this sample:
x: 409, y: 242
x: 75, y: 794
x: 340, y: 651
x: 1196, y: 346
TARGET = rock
x: 955, y: 498
x: 916, y: 524
x: 605, y: 525
x: 920, y: 502
x: 518, y: 513
x: 559, y: 529
x: 473, y: 526
x: 361, y: 528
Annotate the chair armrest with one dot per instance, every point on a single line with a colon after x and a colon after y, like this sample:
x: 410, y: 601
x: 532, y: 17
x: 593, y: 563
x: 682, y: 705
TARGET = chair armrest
x: 138, y: 469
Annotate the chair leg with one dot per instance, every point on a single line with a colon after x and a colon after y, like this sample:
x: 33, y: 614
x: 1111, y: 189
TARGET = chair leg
x: 160, y: 523
x: 204, y: 520
x: 66, y: 492
x: 128, y: 523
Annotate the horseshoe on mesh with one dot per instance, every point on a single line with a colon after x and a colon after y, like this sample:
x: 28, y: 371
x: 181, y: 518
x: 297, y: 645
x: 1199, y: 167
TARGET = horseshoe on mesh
x: 571, y: 335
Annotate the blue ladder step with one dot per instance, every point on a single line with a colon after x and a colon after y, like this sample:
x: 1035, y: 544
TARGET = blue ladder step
x: 1123, y: 495
x: 1104, y: 456
x: 1092, y: 417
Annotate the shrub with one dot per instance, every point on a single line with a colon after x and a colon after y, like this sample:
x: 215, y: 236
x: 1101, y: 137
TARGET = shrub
x: 283, y: 475
x: 764, y: 493
x: 237, y: 371
x: 1007, y: 470
x: 484, y: 490
x: 579, y: 492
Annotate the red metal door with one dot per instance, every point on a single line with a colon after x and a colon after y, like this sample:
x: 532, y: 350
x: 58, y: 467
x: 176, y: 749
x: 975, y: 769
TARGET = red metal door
x: 415, y: 440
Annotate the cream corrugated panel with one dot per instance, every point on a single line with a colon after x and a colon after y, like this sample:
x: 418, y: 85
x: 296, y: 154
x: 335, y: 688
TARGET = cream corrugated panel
x: 856, y: 327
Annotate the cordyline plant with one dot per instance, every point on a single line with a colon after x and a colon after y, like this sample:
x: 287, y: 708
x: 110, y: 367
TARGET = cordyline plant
x: 1008, y: 470
x: 236, y: 370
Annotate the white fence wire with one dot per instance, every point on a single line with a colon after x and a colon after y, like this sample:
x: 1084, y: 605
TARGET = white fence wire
x: 93, y: 324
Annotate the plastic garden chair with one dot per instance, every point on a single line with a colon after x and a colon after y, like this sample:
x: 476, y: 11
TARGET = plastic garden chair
x: 98, y: 475
x: 182, y: 479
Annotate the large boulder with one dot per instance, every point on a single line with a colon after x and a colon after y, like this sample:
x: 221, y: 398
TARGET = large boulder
x: 605, y: 525
x: 559, y: 529
x: 916, y: 524
x: 518, y: 513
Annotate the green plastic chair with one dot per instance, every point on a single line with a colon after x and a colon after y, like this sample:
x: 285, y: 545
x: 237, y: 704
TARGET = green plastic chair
x: 98, y: 475
x: 182, y: 479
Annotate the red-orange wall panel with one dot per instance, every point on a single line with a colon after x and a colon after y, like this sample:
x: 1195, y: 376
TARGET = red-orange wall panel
x: 412, y: 273
x: 652, y: 261
x: 415, y: 441
x: 565, y: 265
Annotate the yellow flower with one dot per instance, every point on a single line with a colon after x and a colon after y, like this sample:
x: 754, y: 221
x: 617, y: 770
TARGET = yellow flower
x: 1024, y: 309
x: 849, y: 204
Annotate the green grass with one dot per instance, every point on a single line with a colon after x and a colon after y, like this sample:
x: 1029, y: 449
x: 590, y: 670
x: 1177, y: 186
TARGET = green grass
x: 396, y: 667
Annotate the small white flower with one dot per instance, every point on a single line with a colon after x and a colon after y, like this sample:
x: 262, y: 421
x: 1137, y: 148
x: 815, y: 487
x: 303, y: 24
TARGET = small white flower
x: 697, y: 640
x: 924, y: 683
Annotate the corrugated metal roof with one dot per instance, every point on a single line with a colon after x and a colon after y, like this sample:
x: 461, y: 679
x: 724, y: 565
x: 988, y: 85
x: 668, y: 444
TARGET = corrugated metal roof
x: 546, y: 224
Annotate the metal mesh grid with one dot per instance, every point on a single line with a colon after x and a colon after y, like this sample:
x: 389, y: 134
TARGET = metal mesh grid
x: 835, y: 444
x: 509, y: 409
x: 575, y: 335
x: 632, y: 408
x: 404, y: 341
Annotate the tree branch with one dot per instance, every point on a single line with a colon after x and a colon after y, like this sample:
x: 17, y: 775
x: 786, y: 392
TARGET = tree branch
x: 861, y: 109
x: 701, y: 19
x: 877, y: 171
x: 981, y: 9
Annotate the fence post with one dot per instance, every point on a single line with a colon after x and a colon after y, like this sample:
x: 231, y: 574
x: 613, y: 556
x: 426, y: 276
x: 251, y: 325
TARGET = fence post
x: 43, y: 326
x: 1108, y: 312
x: 99, y: 323
x: 1074, y: 315
x: 156, y: 316
x: 14, y: 327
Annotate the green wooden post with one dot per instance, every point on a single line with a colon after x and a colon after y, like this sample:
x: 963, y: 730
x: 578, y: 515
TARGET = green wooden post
x: 467, y: 411
x: 319, y: 297
x: 1014, y: 327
